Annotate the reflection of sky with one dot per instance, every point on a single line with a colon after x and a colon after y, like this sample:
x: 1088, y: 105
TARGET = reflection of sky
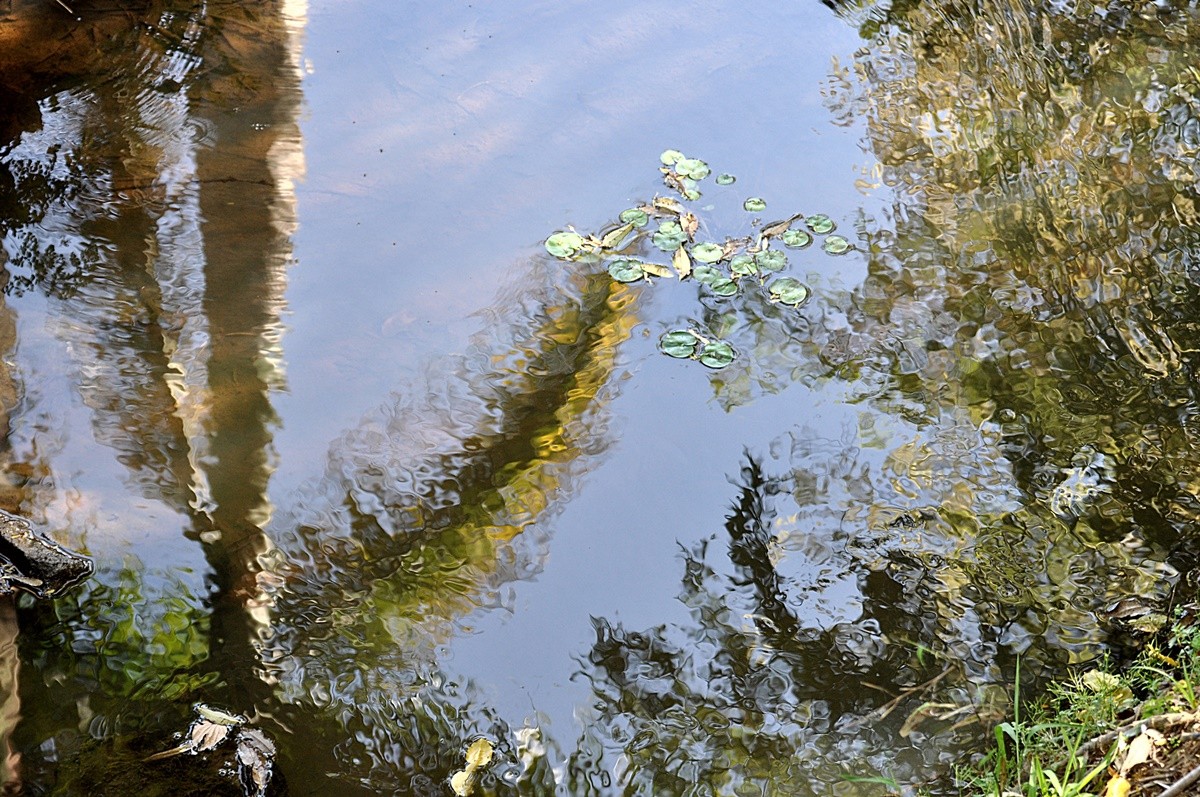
x: 444, y: 143
x: 442, y: 146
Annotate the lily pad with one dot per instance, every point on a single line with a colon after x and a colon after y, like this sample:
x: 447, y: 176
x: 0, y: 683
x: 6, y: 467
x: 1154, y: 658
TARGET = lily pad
x: 671, y: 156
x: 635, y: 216
x: 725, y: 179
x: 836, y: 245
x: 796, y: 239
x: 692, y: 168
x: 755, y: 204
x: 564, y: 245
x: 691, y: 194
x: 678, y: 343
x: 771, y: 260
x: 743, y: 266
x: 625, y: 270
x: 717, y: 354
x: 786, y: 290
x: 707, y: 274
x: 669, y: 236
x: 723, y: 287
x: 708, y: 252
x: 820, y: 223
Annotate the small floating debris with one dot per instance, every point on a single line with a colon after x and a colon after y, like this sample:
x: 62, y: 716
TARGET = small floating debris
x: 479, y: 755
x: 212, y: 728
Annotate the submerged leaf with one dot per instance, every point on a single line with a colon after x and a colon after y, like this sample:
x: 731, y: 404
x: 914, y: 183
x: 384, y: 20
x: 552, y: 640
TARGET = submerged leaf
x: 678, y: 343
x: 836, y: 245
x: 786, y: 290
x: 717, y: 354
x: 708, y: 252
x: 707, y: 274
x: 755, y: 204
x: 723, y: 287
x: 564, y: 245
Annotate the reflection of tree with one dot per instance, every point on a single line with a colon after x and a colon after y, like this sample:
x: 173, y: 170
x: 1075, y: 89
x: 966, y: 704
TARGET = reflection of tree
x: 756, y: 690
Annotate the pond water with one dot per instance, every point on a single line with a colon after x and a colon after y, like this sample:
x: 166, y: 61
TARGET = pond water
x: 355, y: 457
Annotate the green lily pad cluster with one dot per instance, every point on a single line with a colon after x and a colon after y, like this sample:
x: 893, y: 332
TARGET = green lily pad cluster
x: 688, y: 344
x: 665, y: 228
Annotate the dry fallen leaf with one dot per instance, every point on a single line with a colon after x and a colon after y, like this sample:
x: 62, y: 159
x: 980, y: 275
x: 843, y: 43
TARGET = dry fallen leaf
x: 681, y: 263
x: 479, y: 755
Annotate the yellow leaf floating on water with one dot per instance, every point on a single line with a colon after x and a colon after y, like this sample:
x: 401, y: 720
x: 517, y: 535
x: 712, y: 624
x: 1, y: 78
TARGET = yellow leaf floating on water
x: 479, y: 755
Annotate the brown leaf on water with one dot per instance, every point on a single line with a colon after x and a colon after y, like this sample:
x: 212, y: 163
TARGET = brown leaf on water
x: 689, y: 224
x: 682, y: 263
x: 206, y: 735
x: 665, y: 204
x: 778, y: 227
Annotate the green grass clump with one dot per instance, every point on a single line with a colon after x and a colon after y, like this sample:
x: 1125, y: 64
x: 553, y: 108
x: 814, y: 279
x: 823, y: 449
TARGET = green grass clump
x: 1063, y: 744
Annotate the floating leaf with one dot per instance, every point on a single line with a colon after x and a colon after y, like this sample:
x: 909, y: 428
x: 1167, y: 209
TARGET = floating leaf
x: 755, y: 204
x: 635, y: 216
x: 836, y: 245
x: 786, y: 290
x: 256, y: 759
x: 671, y: 156
x: 613, y: 238
x: 655, y: 270
x: 708, y: 252
x: 206, y: 735
x: 820, y: 223
x: 218, y: 716
x: 669, y: 205
x: 479, y: 755
x: 743, y: 266
x: 564, y: 245
x: 726, y: 179
x: 797, y: 239
x: 678, y: 343
x: 681, y: 263
x: 689, y: 224
x: 707, y: 274
x: 692, y: 168
x: 625, y: 270
x: 717, y: 354
x: 669, y: 236
x: 777, y: 227
x: 723, y: 287
x: 691, y: 194
x: 771, y: 260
